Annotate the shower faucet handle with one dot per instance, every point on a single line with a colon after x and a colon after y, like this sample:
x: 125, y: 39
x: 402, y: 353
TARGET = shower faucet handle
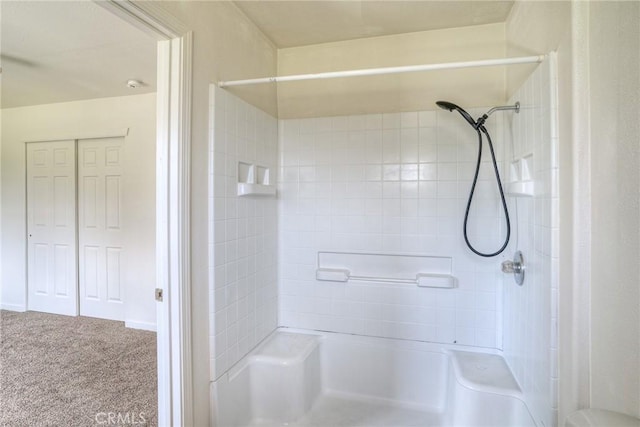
x: 511, y: 267
x: 515, y: 267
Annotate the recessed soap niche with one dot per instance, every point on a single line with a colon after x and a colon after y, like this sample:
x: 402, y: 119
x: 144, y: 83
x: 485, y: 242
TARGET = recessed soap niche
x: 521, y: 177
x: 254, y: 180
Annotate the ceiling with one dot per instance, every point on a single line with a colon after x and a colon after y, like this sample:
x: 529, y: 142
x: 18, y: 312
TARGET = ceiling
x: 70, y: 50
x: 58, y: 51
x: 299, y: 23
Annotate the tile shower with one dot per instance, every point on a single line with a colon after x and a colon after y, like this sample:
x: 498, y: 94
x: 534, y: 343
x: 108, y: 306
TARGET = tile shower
x: 386, y: 183
x: 392, y: 183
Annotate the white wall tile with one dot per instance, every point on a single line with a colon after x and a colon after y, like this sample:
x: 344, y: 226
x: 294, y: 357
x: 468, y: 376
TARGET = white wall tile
x: 530, y: 311
x: 244, y: 242
x: 387, y: 186
x: 384, y: 183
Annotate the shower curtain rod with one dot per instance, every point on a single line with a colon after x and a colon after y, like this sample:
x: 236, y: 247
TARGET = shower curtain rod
x: 386, y: 70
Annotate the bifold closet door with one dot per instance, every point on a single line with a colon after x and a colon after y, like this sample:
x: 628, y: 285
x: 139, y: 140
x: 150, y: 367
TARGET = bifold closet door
x: 51, y: 227
x: 100, y: 235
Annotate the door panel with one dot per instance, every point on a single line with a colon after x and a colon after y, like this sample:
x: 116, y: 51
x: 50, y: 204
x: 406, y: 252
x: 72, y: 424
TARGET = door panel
x: 90, y: 276
x: 114, y: 286
x: 61, y: 198
x: 100, y: 221
x: 61, y: 257
x: 112, y: 190
x: 51, y: 227
x: 38, y: 277
x: 88, y: 201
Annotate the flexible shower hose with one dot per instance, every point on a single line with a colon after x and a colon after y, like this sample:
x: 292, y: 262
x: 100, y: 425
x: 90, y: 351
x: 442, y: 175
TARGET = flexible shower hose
x: 473, y: 188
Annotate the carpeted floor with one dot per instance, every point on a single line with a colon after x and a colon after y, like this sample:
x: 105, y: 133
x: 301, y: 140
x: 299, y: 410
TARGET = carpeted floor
x: 75, y: 371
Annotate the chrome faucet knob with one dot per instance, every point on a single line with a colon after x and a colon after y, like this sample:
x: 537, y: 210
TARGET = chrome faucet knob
x: 507, y: 266
x: 515, y: 267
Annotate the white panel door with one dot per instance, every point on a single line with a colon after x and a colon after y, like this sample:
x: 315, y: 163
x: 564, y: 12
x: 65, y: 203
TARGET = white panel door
x: 100, y: 235
x: 51, y: 227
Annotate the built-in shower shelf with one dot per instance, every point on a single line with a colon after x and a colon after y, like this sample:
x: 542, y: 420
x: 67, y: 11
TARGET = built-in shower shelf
x: 521, y: 179
x: 246, y: 189
x: 254, y: 180
x: 520, y: 189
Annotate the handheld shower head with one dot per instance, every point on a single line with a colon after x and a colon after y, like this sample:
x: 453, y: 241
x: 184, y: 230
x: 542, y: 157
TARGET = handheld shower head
x: 480, y: 129
x: 445, y: 105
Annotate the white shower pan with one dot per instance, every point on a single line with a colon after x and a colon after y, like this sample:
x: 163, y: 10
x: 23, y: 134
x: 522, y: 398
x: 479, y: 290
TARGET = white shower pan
x: 308, y: 378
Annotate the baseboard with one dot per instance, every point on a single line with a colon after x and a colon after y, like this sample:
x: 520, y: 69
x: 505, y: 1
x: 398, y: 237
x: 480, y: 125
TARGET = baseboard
x: 13, y: 307
x: 146, y: 326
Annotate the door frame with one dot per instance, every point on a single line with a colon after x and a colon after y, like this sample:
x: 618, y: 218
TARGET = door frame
x: 173, y: 135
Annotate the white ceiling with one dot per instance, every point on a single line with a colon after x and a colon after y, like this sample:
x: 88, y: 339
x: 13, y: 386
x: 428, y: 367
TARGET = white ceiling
x: 71, y: 50
x: 57, y: 51
x: 299, y: 23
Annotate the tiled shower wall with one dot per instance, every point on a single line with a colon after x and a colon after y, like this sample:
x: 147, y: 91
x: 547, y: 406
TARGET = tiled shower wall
x: 243, y: 232
x: 530, y: 311
x: 386, y: 183
x: 389, y: 183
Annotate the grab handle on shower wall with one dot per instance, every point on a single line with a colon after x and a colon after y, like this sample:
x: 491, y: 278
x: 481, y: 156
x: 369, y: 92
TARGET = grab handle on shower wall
x: 423, y: 280
x: 427, y: 271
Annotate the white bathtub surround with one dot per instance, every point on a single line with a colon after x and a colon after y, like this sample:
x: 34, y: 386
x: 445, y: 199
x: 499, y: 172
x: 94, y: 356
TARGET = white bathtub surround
x: 307, y: 378
x: 243, y: 230
x: 389, y: 184
x: 530, y: 311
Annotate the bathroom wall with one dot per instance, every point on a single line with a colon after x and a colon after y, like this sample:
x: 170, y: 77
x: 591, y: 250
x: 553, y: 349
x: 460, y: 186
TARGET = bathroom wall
x: 243, y: 232
x: 614, y: 102
x: 543, y: 27
x: 226, y: 45
x: 400, y: 92
x: 598, y: 47
x: 530, y: 310
x: 389, y: 183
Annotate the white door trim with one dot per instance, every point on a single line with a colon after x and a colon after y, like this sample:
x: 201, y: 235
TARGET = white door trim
x: 175, y: 380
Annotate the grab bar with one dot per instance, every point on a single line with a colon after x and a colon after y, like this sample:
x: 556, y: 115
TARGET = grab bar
x: 383, y: 279
x: 423, y: 280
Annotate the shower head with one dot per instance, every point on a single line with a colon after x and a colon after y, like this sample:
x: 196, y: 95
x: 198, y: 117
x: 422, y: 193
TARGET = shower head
x: 451, y: 106
x: 515, y: 107
x: 445, y: 105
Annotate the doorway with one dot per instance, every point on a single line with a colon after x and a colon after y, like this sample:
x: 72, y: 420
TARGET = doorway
x: 171, y: 195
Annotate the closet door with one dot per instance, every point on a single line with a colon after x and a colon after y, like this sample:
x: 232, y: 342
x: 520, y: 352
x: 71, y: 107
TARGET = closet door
x: 51, y: 227
x: 100, y: 236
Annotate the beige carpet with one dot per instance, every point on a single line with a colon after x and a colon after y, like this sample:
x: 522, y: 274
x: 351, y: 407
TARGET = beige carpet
x: 75, y: 371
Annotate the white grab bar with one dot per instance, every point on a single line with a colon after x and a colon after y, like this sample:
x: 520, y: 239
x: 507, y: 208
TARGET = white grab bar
x: 423, y: 280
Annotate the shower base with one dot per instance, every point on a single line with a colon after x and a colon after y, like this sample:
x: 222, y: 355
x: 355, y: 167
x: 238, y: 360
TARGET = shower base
x: 308, y: 378
x: 331, y: 410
